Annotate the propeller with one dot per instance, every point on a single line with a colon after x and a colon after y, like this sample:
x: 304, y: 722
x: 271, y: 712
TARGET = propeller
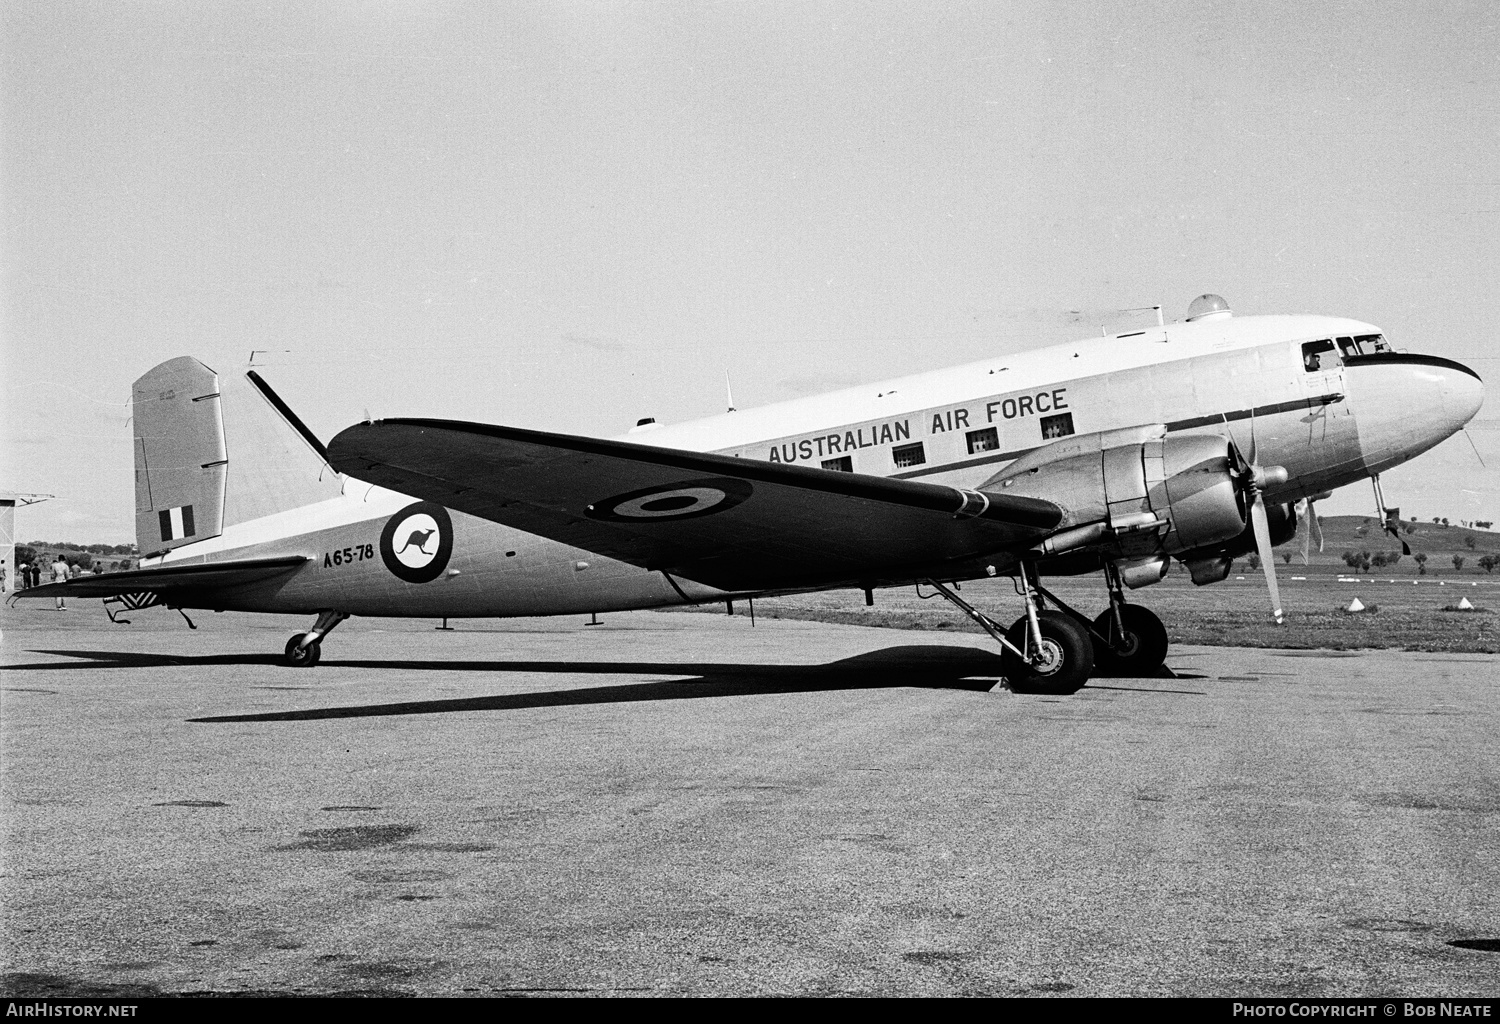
x: 1254, y: 480
x: 1307, y: 509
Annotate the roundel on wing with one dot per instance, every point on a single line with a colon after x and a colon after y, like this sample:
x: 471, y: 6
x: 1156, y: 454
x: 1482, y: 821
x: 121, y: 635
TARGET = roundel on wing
x: 417, y: 542
x: 685, y: 500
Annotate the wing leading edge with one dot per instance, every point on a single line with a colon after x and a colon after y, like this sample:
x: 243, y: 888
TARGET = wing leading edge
x: 730, y: 523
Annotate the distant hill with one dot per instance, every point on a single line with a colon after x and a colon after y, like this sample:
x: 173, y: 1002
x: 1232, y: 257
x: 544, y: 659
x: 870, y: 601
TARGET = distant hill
x: 1363, y: 533
x: 93, y: 549
x: 111, y: 556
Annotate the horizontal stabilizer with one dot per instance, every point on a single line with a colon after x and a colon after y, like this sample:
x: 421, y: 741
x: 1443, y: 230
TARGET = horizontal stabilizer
x: 729, y: 522
x: 164, y: 579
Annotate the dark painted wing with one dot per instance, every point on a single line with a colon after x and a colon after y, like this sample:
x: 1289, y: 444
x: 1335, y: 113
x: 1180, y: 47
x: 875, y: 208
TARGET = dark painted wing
x: 735, y: 524
x: 198, y: 576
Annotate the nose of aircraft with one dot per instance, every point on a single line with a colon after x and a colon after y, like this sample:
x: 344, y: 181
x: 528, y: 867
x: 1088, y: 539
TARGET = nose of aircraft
x: 1405, y: 404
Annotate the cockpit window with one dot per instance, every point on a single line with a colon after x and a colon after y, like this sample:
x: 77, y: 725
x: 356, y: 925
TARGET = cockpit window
x: 1369, y: 343
x: 1318, y: 355
x: 1349, y: 347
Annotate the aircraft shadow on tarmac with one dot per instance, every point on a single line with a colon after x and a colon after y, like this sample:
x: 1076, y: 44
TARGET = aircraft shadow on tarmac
x: 924, y: 666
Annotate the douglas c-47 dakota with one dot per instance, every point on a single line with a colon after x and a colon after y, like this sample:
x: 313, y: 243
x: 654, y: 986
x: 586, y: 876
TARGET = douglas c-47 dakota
x: 1195, y: 441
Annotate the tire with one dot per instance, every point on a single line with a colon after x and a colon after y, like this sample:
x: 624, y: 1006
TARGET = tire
x: 302, y: 657
x: 1069, y: 656
x: 1144, y: 649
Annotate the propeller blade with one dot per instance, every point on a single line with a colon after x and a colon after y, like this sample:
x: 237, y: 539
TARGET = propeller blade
x: 1304, y: 510
x: 1267, y: 556
x: 1313, y: 526
x: 1253, y: 481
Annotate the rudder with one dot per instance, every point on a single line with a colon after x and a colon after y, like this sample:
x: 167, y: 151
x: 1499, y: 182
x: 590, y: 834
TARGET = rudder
x: 180, y: 458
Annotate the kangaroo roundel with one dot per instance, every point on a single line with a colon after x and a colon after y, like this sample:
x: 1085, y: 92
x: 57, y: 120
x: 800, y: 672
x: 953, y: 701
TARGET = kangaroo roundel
x: 417, y: 542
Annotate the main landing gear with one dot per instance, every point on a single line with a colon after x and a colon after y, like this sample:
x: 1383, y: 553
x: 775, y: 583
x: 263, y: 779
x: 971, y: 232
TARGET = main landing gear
x: 1045, y: 651
x: 1055, y: 650
x: 304, y: 649
x: 1134, y: 640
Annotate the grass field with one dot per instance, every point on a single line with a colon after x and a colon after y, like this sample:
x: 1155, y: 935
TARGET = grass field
x: 1407, y: 604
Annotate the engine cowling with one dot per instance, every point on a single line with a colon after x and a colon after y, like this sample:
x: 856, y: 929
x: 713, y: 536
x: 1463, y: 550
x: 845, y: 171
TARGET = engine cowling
x: 1136, y: 492
x: 1212, y: 564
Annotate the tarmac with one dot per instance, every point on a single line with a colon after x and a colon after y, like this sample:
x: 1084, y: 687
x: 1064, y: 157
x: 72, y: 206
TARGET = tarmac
x: 684, y: 804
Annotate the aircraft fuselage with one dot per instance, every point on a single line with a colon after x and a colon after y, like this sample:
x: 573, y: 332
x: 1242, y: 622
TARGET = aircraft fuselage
x: 1317, y: 395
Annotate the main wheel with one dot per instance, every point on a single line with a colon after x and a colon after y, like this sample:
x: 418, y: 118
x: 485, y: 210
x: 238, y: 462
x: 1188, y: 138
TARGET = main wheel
x: 1066, y: 657
x: 1140, y: 652
x: 298, y: 656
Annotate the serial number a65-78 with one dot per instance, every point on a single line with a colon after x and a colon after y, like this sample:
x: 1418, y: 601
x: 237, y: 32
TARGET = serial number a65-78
x: 344, y: 556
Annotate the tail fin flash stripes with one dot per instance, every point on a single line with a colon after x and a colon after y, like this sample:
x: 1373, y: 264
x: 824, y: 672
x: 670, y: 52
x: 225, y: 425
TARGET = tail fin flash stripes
x: 176, y: 523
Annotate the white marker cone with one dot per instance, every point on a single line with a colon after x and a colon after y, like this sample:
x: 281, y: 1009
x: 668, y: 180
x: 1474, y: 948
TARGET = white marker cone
x: 1464, y: 605
x: 1355, y: 605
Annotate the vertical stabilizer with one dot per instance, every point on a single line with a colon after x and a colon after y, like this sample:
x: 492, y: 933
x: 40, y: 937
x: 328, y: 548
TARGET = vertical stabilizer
x: 210, y: 454
x: 275, y: 462
x: 180, y: 458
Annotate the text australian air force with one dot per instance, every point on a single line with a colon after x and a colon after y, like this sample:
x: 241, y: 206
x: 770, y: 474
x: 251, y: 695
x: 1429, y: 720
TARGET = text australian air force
x: 873, y: 435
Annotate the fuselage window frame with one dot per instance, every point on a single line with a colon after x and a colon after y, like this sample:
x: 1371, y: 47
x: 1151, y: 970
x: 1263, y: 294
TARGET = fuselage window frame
x: 1059, y: 425
x: 1312, y: 355
x: 908, y: 455
x: 985, y: 439
x: 842, y: 464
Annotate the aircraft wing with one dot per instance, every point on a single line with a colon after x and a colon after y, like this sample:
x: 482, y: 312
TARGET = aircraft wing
x: 165, y: 579
x: 731, y: 523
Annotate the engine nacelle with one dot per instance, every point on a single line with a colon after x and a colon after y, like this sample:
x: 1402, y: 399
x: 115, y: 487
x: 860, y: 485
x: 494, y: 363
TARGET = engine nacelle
x: 1134, y: 492
x: 1210, y: 565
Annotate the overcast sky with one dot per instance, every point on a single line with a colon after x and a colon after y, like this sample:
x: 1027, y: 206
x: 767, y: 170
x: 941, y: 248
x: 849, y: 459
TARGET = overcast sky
x: 570, y: 215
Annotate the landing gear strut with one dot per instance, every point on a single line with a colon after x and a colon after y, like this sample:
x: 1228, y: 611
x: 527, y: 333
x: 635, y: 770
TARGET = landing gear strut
x: 1045, y: 651
x: 1128, y: 640
x: 304, y: 649
x: 1056, y: 654
x: 1136, y: 641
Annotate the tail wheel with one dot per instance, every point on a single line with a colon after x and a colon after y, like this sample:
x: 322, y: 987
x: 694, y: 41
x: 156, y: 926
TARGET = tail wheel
x: 1142, y: 649
x: 1061, y: 666
x: 298, y: 656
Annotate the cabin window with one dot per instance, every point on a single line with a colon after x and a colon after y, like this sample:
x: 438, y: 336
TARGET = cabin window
x: 1318, y: 355
x: 843, y: 465
x: 986, y: 440
x: 1060, y: 425
x: 908, y: 455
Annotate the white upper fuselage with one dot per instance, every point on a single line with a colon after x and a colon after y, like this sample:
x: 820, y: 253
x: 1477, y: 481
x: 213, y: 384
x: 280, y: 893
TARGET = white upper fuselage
x: 1042, y: 368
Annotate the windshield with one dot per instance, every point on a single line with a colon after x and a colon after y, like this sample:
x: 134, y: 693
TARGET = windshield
x: 1328, y: 352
